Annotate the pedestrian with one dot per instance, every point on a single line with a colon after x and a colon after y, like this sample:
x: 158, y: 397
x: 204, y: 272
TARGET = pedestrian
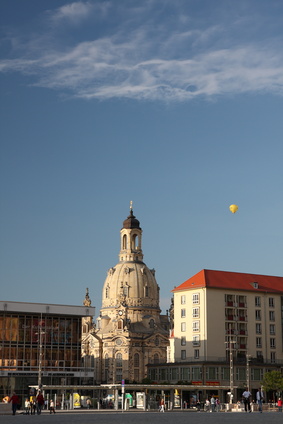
x: 39, y: 402
x: 246, y: 398
x: 15, y: 402
x: 207, y: 405
x: 212, y: 403
x: 161, y: 408
x: 52, y: 407
x: 88, y: 403
x: 279, y: 404
x: 259, y: 399
x: 27, y: 406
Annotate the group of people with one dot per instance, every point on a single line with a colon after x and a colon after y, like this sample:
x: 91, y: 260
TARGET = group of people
x: 259, y: 400
x: 33, y: 405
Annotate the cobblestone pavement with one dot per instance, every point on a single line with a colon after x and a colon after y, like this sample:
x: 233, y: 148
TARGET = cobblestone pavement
x: 140, y: 417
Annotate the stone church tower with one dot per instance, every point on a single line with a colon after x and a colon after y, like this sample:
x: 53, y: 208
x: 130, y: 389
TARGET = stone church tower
x: 130, y: 331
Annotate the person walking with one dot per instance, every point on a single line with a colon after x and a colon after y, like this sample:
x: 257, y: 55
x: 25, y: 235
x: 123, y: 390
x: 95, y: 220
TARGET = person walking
x: 213, y: 403
x: 162, y: 406
x: 39, y: 402
x: 52, y: 407
x: 259, y: 399
x: 279, y: 404
x: 15, y: 402
x: 247, y: 401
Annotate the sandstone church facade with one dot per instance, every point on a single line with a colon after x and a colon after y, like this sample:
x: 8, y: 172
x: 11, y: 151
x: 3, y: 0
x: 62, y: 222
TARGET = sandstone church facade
x: 130, y: 331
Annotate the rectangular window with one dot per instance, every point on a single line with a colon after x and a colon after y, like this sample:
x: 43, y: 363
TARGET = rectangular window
x: 183, y: 299
x: 183, y: 354
x: 259, y: 354
x: 195, y: 312
x: 241, y: 374
x: 183, y: 313
x: 196, y: 373
x: 183, y: 341
x: 195, y: 325
x: 256, y: 374
x: 258, y: 314
x: 271, y: 302
x: 272, y: 329
x: 212, y: 373
x: 271, y: 316
x: 225, y: 373
x: 195, y: 340
x: 185, y: 374
x: 183, y: 326
x: 196, y: 354
x: 257, y: 301
x: 258, y: 328
x: 272, y: 343
x: 196, y: 298
x: 272, y: 357
x: 258, y: 343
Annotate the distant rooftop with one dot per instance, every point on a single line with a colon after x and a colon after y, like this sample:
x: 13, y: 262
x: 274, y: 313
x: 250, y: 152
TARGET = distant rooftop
x: 46, y: 308
x: 234, y: 281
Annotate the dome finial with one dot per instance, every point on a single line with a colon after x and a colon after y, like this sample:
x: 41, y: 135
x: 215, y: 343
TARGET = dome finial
x: 131, y: 205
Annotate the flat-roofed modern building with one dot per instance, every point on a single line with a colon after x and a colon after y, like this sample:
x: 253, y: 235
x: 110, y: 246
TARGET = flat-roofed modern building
x: 223, y: 319
x: 41, y: 344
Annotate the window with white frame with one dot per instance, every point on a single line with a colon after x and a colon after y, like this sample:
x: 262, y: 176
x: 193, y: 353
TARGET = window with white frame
x: 183, y: 341
x: 257, y: 301
x: 183, y: 313
x: 272, y: 357
x: 183, y: 299
x: 272, y: 343
x: 183, y: 326
x: 196, y: 298
x: 258, y: 314
x: 196, y: 354
x: 271, y: 316
x: 258, y: 328
x: 258, y: 342
x: 196, y: 340
x: 272, y: 329
x: 271, y: 302
x: 195, y: 312
x: 195, y: 325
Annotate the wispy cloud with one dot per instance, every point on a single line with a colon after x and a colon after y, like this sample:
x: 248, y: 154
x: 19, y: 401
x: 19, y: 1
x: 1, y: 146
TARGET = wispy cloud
x: 142, y: 63
x: 73, y: 12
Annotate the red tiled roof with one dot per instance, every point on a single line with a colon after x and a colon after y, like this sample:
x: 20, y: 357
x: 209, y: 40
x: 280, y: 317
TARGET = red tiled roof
x: 233, y: 281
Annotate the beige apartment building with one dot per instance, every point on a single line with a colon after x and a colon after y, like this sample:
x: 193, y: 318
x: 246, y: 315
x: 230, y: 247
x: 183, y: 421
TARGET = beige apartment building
x: 227, y: 330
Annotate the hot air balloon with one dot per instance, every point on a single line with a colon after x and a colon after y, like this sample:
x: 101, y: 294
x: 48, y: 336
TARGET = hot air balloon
x: 233, y: 208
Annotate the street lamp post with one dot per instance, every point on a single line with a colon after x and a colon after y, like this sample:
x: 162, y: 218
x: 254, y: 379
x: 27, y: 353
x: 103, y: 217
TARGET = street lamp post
x: 248, y: 371
x: 39, y: 383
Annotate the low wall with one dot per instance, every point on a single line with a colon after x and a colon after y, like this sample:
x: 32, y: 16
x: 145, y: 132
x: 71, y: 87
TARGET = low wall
x: 5, y: 408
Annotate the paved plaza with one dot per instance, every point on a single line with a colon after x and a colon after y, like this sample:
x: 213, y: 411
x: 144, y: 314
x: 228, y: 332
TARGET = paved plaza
x: 180, y: 417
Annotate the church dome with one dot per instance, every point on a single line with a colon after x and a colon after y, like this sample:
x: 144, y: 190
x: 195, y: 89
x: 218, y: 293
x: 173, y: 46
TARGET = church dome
x: 132, y: 284
x: 131, y: 222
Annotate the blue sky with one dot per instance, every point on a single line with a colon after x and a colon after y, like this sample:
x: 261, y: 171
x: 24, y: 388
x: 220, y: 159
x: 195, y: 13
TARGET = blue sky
x: 176, y: 106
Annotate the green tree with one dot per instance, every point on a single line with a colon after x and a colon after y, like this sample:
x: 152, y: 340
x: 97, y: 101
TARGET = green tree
x: 273, y: 382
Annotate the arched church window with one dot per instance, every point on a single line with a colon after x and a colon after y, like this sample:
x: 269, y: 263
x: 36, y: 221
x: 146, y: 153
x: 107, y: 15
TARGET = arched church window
x: 146, y: 291
x: 151, y: 323
x: 135, y: 241
x: 124, y: 242
x: 106, y: 361
x: 156, y: 358
x: 120, y: 325
x: 119, y: 361
x: 136, y: 360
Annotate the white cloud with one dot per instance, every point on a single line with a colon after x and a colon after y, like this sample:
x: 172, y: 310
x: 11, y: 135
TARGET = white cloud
x: 72, y: 12
x: 142, y: 63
